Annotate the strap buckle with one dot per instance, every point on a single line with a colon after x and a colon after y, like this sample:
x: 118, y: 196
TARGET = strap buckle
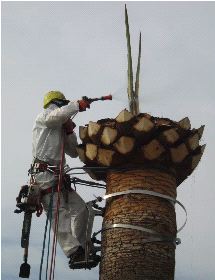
x: 40, y: 167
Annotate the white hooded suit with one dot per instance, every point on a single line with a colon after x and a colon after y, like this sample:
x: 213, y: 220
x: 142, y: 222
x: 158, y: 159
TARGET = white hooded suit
x: 47, y: 141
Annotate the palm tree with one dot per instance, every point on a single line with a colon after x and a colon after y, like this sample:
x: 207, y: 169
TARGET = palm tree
x: 146, y: 158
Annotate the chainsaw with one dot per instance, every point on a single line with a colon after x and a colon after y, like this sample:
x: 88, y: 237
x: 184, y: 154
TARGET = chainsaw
x: 27, y: 202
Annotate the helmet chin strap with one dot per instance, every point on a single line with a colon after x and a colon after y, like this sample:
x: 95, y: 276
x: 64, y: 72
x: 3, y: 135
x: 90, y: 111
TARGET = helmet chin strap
x: 60, y: 103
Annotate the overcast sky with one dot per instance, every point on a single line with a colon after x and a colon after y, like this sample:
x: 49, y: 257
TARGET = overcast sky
x: 80, y: 49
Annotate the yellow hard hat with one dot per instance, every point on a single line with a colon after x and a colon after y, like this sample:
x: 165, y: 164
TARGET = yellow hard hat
x: 52, y: 95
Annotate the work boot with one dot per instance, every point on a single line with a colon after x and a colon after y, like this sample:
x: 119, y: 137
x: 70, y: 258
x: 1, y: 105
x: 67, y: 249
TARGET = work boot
x: 78, y: 255
x: 77, y: 260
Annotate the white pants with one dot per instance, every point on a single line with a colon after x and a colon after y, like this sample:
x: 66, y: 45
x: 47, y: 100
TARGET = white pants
x: 73, y: 214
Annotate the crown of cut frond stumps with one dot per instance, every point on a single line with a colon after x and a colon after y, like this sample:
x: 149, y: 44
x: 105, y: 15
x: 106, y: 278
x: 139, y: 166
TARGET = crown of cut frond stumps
x: 141, y: 141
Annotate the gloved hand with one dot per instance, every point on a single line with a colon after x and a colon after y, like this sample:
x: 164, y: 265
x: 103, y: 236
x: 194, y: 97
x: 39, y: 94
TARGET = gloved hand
x: 69, y: 126
x: 83, y: 105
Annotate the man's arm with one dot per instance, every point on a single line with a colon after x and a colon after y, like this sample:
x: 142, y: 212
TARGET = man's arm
x: 58, y: 116
x: 71, y: 144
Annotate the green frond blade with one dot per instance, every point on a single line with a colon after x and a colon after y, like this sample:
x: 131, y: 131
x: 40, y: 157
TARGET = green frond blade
x: 130, y: 70
x: 137, y: 83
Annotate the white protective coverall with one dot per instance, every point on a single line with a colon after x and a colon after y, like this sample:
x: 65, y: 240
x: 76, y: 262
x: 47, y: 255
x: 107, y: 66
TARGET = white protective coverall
x: 47, y: 141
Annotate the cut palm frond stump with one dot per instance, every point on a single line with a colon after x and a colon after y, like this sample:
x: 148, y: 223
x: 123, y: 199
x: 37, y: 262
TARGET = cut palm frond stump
x: 145, y: 153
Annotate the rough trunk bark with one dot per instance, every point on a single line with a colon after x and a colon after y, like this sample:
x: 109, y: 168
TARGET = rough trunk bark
x: 125, y: 255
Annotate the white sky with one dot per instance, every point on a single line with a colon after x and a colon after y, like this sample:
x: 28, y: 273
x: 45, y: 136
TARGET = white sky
x: 80, y: 49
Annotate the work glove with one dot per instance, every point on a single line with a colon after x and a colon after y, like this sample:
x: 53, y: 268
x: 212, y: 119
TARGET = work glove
x: 83, y: 105
x: 69, y: 126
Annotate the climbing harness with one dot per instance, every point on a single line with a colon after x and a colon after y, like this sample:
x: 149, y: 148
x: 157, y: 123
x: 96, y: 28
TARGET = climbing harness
x: 41, y: 166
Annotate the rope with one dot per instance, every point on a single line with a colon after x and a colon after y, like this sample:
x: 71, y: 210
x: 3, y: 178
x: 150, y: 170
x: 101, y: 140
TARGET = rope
x: 100, y: 168
x: 45, y: 232
x: 47, y: 259
x: 49, y: 217
x: 43, y: 249
x: 54, y: 244
x: 78, y: 181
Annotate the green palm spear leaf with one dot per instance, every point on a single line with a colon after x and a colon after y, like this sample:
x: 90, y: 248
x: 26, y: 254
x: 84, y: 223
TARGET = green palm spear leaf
x: 133, y: 96
x: 137, y: 83
x: 130, y: 70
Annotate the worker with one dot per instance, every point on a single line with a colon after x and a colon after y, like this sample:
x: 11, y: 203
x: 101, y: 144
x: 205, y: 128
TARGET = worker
x: 48, y: 131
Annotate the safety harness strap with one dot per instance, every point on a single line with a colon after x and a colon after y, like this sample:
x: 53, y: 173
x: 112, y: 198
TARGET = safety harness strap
x: 41, y: 167
x: 158, y: 237
x: 152, y: 193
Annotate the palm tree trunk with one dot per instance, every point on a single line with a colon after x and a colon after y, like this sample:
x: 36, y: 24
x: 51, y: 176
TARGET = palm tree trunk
x: 125, y: 253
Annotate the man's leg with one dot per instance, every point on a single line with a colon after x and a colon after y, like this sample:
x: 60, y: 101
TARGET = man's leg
x: 73, y: 216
